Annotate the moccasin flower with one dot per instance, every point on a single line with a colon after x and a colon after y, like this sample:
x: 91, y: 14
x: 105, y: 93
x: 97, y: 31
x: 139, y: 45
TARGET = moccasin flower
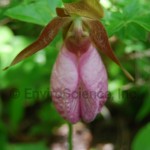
x: 79, y: 79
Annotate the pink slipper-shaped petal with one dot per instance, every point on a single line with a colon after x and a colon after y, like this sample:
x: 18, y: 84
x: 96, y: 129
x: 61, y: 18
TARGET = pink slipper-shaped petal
x: 64, y: 82
x: 93, y: 81
x: 79, y: 85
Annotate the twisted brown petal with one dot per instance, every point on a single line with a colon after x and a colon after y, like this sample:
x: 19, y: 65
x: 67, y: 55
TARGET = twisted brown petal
x: 99, y: 37
x: 47, y: 35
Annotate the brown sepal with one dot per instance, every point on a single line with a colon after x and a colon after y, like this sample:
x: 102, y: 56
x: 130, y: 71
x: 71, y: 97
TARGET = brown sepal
x: 85, y: 8
x: 47, y: 35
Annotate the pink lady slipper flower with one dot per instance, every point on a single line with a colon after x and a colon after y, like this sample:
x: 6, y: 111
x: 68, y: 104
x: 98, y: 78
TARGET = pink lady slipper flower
x: 79, y: 79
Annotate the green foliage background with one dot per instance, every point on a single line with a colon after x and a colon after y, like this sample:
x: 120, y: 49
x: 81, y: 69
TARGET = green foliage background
x: 127, y: 23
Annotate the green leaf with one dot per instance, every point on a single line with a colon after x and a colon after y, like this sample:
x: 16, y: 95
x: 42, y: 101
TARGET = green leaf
x: 16, y: 109
x: 48, y: 113
x: 3, y: 136
x: 70, y: 1
x: 130, y: 9
x: 133, y: 31
x: 128, y: 24
x: 145, y: 109
x: 113, y: 22
x: 39, y: 12
x: 33, y: 146
x: 3, y: 141
x: 141, y: 140
x: 143, y: 21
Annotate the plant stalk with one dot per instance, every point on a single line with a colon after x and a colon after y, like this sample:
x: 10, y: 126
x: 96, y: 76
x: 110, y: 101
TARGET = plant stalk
x: 70, y: 136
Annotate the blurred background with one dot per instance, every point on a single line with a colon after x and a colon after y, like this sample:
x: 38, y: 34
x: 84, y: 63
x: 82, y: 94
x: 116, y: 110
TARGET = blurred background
x: 28, y: 119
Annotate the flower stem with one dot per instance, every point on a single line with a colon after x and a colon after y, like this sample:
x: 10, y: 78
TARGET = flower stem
x: 70, y: 135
